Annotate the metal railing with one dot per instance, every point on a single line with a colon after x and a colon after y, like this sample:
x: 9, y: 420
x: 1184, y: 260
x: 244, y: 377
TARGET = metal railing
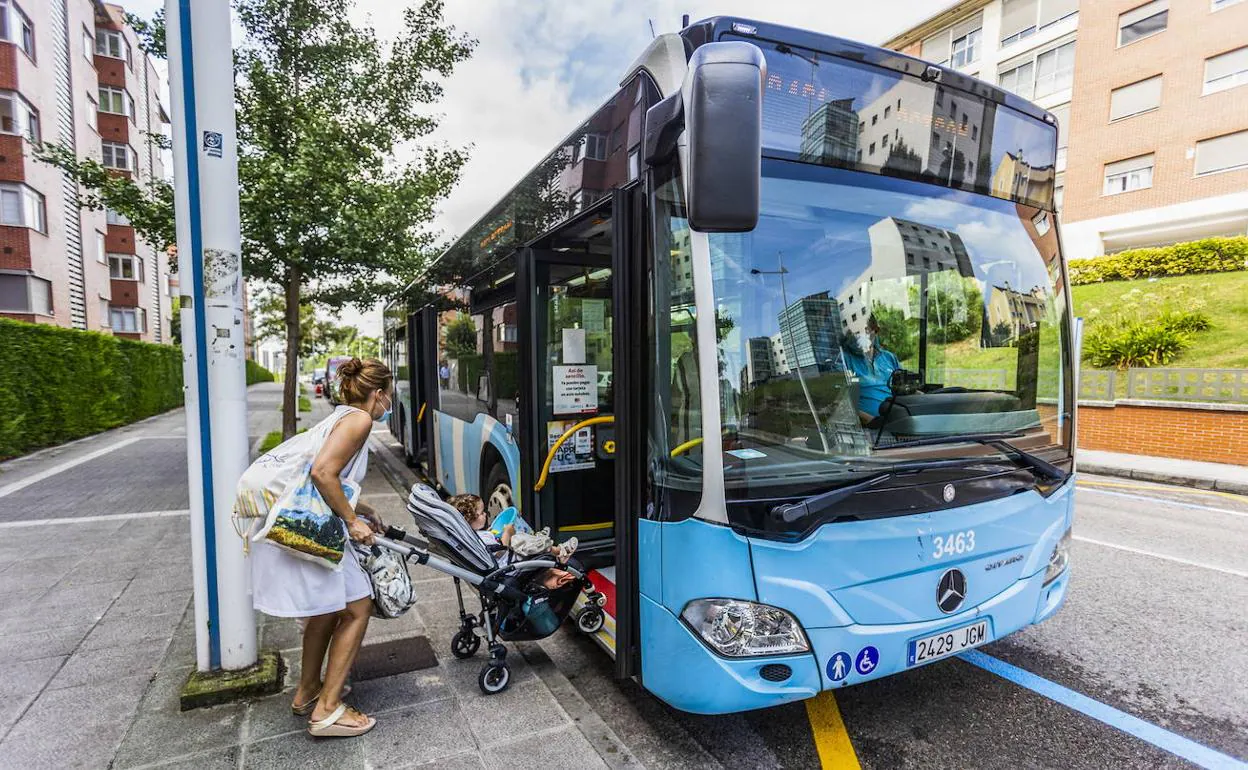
x: 1220, y: 385
x: 1097, y: 384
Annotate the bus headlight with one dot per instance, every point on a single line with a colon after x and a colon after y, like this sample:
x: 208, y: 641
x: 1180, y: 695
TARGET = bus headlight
x: 740, y: 629
x: 1058, y: 559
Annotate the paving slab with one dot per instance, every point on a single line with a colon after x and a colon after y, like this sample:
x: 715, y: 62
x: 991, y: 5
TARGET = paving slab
x: 114, y: 631
x: 158, y: 734
x: 33, y: 645
x: 29, y: 676
x: 109, y: 663
x: 302, y: 750
x: 58, y: 729
x: 564, y: 747
x: 422, y: 734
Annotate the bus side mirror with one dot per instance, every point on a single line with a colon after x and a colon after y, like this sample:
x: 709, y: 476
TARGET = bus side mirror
x: 723, y: 107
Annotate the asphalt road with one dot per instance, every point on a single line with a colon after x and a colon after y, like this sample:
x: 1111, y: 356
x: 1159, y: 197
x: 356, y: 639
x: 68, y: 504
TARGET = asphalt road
x: 1155, y: 626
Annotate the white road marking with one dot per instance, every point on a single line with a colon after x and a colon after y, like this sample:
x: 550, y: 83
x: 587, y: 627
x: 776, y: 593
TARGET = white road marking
x: 1155, y: 555
x: 1163, y: 501
x: 63, y: 520
x: 35, y: 478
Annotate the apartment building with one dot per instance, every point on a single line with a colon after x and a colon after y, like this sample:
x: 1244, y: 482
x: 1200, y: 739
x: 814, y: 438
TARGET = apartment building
x: 71, y: 73
x: 1153, y: 127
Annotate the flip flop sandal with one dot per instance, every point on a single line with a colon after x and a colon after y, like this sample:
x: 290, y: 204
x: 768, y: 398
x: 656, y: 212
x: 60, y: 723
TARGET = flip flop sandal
x: 306, y: 709
x: 329, y: 727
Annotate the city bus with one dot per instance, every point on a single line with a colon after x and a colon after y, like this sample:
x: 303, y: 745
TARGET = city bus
x: 781, y: 333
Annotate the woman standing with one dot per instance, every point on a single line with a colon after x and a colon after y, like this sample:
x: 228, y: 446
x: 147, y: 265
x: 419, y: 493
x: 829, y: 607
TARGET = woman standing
x: 336, y: 606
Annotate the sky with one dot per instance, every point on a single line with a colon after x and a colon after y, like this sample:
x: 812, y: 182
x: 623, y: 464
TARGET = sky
x: 542, y: 66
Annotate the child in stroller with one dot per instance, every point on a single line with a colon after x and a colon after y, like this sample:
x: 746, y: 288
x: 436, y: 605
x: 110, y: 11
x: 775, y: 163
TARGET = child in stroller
x: 512, y: 543
x: 515, y: 605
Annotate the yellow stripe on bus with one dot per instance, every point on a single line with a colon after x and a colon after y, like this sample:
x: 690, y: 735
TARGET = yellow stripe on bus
x: 587, y: 527
x: 831, y: 740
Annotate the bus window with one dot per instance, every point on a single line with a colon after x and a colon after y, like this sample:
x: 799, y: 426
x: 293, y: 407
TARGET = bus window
x: 506, y: 363
x: 460, y: 364
x: 676, y: 416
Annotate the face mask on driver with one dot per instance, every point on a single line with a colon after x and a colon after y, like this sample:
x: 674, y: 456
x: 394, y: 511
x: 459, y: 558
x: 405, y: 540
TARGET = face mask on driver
x: 865, y: 342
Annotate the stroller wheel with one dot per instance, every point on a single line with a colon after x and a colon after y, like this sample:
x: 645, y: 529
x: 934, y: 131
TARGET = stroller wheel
x: 465, y: 644
x: 590, y: 620
x: 494, y: 679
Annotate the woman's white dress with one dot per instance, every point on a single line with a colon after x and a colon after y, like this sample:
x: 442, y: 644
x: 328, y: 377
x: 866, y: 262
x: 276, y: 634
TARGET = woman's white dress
x: 289, y: 587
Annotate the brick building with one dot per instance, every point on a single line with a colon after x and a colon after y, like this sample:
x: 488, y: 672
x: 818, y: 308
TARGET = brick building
x: 71, y: 73
x: 1153, y: 139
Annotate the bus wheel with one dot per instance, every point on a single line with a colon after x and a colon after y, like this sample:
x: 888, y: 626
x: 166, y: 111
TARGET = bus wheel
x: 498, y: 491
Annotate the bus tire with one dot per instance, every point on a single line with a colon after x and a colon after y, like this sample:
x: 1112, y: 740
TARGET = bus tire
x: 497, y: 491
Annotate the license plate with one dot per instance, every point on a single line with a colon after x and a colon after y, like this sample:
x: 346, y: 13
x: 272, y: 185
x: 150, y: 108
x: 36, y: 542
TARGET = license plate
x: 949, y: 642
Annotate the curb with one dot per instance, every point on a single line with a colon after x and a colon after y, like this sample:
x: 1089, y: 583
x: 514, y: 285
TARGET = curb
x: 1196, y: 482
x: 605, y: 742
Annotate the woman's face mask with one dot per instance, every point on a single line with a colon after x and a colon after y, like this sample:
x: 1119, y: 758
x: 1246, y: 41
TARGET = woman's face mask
x: 385, y: 415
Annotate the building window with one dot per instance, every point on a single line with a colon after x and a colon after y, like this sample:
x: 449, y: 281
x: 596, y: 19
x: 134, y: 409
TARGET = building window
x: 1228, y: 152
x: 1061, y: 114
x: 966, y: 48
x: 1134, y: 99
x: 128, y: 320
x: 88, y: 45
x: 1055, y: 70
x: 111, y: 43
x: 1143, y: 21
x: 1020, y: 80
x: 20, y: 206
x: 17, y: 28
x: 1023, y: 18
x: 105, y: 320
x: 1130, y: 174
x: 118, y: 156
x: 115, y: 218
x: 1059, y: 194
x: 113, y: 100
x: 125, y: 267
x: 101, y: 250
x: 25, y: 293
x: 1041, y: 221
x: 1226, y: 70
x: 591, y: 147
x: 1218, y: 5
x: 93, y: 115
x: 17, y: 116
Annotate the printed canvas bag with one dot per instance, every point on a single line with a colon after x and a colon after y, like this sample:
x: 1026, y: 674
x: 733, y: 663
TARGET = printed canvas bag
x: 277, y: 493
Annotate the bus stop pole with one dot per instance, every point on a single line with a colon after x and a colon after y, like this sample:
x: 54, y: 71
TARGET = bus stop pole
x: 201, y: 88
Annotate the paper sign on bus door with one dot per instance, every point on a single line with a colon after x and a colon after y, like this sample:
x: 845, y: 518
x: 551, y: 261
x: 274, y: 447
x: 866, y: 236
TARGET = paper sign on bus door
x: 576, y: 389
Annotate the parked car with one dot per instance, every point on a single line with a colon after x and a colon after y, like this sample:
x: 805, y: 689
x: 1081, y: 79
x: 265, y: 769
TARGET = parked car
x: 318, y: 382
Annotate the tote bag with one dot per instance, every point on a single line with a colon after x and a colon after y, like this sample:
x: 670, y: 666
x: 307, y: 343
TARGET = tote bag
x: 277, y: 493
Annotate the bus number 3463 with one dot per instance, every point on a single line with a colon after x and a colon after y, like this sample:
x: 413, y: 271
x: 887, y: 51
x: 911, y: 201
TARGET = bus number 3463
x: 954, y: 544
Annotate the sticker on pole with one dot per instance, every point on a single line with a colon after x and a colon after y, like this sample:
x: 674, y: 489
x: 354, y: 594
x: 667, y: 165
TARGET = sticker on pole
x: 868, y: 659
x: 576, y: 389
x: 213, y: 144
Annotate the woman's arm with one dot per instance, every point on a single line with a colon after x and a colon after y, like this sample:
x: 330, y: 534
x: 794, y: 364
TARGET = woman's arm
x: 343, y: 442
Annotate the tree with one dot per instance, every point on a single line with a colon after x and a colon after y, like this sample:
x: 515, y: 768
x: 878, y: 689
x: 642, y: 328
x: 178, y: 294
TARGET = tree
x: 319, y: 336
x: 461, y: 337
x: 329, y: 216
x: 903, y: 161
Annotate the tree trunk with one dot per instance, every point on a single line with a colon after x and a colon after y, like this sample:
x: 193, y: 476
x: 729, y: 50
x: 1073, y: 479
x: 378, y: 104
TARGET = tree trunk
x: 290, y: 388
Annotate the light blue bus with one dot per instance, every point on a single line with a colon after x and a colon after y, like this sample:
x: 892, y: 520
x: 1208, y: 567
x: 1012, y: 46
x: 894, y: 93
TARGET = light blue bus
x: 782, y: 335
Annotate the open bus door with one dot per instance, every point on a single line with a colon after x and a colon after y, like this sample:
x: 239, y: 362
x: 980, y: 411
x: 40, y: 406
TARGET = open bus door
x: 422, y: 335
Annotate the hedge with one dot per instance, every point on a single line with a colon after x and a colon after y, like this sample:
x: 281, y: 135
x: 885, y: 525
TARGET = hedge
x: 257, y: 373
x: 58, y: 384
x: 1209, y: 255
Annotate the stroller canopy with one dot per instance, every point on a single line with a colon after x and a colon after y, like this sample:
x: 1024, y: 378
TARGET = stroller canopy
x: 439, y: 521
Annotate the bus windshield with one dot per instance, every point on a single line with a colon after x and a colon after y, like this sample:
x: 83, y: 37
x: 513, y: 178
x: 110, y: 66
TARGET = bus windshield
x: 865, y: 312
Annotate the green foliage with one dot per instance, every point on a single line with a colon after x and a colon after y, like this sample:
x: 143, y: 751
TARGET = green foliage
x: 898, y: 335
x: 58, y: 384
x: 461, y: 337
x: 1209, y: 255
x: 257, y: 373
x: 954, y: 312
x: 1144, y: 330
x: 151, y: 33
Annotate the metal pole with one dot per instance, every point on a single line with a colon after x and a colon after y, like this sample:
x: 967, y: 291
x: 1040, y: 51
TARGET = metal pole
x: 810, y: 403
x: 201, y: 87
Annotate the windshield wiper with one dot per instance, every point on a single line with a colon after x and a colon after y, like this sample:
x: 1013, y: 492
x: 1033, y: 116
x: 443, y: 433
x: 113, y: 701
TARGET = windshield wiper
x: 996, y: 441
x: 819, y: 503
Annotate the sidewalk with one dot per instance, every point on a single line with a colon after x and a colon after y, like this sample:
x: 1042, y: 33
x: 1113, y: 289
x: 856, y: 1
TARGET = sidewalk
x: 1165, y: 470
x: 97, y: 637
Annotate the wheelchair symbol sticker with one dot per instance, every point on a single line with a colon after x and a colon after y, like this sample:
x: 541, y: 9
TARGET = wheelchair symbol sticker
x: 213, y: 143
x: 868, y: 658
x: 838, y: 666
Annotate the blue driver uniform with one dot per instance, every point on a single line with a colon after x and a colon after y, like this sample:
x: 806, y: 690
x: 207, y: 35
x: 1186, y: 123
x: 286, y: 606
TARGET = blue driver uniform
x: 873, y: 376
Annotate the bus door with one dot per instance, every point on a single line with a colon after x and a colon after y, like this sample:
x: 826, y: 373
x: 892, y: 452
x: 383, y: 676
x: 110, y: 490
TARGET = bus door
x: 422, y: 330
x: 567, y: 403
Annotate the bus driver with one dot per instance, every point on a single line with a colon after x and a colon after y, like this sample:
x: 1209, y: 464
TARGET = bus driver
x: 874, y: 367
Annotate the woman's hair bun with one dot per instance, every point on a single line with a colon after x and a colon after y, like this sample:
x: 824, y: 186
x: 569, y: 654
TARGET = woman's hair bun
x: 351, y: 368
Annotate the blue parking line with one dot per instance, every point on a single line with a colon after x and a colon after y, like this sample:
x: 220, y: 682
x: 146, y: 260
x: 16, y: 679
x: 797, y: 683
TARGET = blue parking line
x: 1161, y: 738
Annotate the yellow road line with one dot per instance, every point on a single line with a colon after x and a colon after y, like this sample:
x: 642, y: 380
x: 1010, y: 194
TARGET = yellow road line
x: 1161, y: 488
x: 831, y: 740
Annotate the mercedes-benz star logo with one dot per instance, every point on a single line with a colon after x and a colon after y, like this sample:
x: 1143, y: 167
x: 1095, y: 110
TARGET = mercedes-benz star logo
x: 951, y: 591
x: 948, y: 493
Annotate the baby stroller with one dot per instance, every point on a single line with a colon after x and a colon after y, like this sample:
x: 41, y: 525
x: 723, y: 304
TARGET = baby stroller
x: 515, y: 607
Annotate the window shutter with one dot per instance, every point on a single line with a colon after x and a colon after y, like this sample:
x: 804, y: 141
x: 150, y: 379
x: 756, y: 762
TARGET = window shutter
x: 1226, y: 64
x: 1222, y: 152
x: 1135, y: 98
x: 1063, y: 124
x: 1052, y: 10
x: 936, y: 47
x: 967, y: 26
x: 1142, y: 12
x: 1129, y: 165
x: 1016, y: 16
